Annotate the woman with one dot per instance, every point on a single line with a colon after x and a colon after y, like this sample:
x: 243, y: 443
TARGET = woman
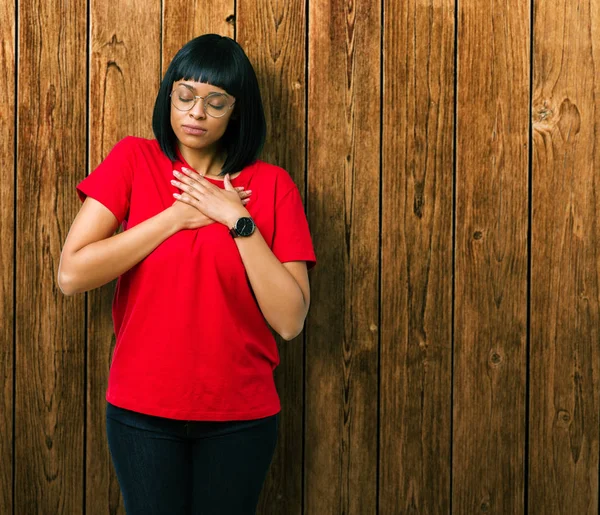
x: 215, y: 246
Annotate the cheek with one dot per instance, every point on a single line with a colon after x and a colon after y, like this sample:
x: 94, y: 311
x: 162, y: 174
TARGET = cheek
x: 174, y: 119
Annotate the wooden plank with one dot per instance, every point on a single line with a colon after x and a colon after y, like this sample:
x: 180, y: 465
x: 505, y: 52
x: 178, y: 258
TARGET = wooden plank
x: 273, y: 35
x: 186, y: 19
x: 416, y: 270
x: 7, y: 231
x: 124, y: 80
x: 49, y: 334
x: 491, y: 257
x: 565, y: 273
x: 343, y: 192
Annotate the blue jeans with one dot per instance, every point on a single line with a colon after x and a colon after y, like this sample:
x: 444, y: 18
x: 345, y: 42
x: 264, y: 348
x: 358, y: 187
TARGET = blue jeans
x: 178, y: 467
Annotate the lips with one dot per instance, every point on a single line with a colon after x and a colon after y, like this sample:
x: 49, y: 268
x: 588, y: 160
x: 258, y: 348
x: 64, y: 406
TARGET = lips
x: 194, y: 130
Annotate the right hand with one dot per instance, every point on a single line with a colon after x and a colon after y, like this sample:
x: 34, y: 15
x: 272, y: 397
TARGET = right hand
x: 190, y: 217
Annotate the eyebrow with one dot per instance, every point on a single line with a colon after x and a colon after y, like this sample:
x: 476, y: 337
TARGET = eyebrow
x: 189, y: 86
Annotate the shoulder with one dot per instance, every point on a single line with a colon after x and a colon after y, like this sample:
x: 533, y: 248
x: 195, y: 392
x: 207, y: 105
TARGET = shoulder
x: 134, y: 143
x: 131, y: 149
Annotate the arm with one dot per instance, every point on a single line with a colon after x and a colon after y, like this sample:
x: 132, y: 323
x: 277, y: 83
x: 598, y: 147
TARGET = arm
x: 92, y: 257
x: 281, y: 289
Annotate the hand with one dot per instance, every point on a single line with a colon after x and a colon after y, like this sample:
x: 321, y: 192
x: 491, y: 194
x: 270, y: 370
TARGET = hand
x: 220, y: 205
x: 190, y: 217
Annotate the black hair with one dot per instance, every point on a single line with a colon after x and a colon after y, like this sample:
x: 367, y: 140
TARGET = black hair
x: 221, y: 62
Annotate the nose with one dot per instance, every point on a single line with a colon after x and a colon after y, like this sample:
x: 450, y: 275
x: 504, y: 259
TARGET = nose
x: 198, y: 110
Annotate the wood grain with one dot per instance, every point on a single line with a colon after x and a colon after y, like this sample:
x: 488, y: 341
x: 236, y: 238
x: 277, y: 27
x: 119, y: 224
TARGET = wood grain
x: 273, y: 35
x: 565, y: 272
x: 491, y: 257
x: 343, y: 184
x: 185, y: 19
x: 50, y: 349
x: 124, y: 80
x: 416, y: 253
x: 7, y: 231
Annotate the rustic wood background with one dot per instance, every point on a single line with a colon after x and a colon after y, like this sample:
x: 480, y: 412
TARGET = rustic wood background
x: 449, y: 154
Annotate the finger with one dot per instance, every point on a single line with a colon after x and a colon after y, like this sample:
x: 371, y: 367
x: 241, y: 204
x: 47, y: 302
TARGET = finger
x: 245, y: 201
x: 239, y: 188
x: 227, y: 182
x: 190, y: 173
x: 186, y: 179
x: 187, y: 199
x: 192, y: 191
x: 194, y: 180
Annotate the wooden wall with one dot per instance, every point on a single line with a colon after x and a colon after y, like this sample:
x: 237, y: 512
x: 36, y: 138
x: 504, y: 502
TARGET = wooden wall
x: 449, y: 156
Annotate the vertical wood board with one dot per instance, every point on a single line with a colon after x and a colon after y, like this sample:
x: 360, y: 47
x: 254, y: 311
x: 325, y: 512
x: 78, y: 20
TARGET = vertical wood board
x: 49, y: 357
x: 416, y: 269
x: 124, y: 80
x: 7, y: 264
x: 491, y: 257
x: 343, y: 185
x: 563, y: 476
x: 273, y: 36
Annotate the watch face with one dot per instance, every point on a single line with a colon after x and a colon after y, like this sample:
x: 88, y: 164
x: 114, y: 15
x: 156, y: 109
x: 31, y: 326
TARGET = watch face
x: 245, y: 226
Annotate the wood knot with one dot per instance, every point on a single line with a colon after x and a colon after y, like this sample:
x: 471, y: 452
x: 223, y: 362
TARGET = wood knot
x: 230, y: 19
x: 569, y: 120
x: 495, y: 358
x: 543, y: 113
x: 477, y: 235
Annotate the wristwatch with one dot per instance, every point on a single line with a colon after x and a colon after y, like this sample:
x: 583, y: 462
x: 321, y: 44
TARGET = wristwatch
x: 245, y: 226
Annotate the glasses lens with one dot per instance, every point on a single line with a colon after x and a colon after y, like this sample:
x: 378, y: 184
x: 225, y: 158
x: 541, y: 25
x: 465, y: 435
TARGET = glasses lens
x: 217, y: 105
x: 182, y: 98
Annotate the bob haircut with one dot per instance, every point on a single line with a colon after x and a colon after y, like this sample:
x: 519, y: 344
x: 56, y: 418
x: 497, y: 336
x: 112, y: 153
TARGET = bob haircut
x: 221, y: 62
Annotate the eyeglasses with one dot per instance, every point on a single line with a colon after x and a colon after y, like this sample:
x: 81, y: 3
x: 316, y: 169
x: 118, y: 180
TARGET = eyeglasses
x: 215, y: 105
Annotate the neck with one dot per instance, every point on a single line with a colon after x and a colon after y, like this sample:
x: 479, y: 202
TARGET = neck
x: 207, y: 161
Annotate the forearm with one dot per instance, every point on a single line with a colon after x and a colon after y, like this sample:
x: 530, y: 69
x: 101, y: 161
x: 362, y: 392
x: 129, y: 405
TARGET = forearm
x: 278, y: 294
x: 102, y: 261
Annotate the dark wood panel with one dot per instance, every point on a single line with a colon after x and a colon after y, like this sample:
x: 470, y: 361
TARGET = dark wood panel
x: 563, y: 476
x: 343, y: 204
x: 416, y: 269
x: 186, y: 19
x: 491, y: 257
x: 273, y: 35
x: 7, y: 228
x: 124, y: 80
x: 50, y: 348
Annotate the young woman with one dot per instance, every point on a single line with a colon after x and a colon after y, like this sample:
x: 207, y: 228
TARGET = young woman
x: 215, y: 249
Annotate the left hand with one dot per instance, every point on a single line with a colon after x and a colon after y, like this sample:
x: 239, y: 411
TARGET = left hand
x: 222, y: 205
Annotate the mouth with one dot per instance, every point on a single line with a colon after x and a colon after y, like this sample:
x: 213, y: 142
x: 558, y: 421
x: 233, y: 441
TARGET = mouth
x: 194, y: 130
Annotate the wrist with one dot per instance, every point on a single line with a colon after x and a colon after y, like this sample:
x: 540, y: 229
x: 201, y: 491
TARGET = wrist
x: 234, y: 216
x: 171, y: 220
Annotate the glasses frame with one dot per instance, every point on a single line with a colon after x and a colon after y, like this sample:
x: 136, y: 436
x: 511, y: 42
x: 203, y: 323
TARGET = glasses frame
x: 196, y: 97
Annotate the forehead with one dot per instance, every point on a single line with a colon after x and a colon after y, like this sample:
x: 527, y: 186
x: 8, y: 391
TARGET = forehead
x: 200, y: 88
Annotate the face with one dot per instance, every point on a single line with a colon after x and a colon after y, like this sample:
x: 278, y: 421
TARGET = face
x: 196, y: 129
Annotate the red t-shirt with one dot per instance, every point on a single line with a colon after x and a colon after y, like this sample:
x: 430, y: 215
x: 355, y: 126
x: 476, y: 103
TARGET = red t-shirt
x: 191, y: 341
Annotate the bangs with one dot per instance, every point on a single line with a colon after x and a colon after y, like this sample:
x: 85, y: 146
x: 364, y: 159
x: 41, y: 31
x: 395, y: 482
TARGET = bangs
x: 216, y: 66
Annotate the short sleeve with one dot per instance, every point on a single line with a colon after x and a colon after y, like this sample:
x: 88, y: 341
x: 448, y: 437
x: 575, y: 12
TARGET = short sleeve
x: 110, y: 182
x: 291, y: 237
